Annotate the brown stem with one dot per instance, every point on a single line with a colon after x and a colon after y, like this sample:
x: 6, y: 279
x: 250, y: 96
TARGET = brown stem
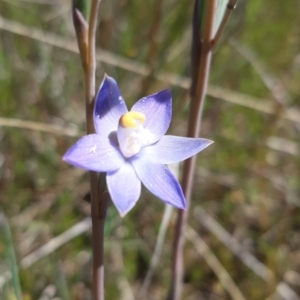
x: 197, y: 101
x: 86, y: 36
x: 230, y: 7
x: 98, y: 208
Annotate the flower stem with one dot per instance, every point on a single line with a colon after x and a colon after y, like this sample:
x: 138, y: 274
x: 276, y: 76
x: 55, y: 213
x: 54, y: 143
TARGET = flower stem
x: 98, y: 208
x: 87, y: 44
x: 197, y: 100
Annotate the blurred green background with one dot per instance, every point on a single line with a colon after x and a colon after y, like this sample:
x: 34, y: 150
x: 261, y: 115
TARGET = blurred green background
x: 247, y: 181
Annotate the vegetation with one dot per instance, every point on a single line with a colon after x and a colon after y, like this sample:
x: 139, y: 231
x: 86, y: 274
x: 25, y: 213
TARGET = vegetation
x: 247, y: 181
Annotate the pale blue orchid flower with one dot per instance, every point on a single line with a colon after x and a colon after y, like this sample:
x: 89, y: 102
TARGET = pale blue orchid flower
x: 130, y: 146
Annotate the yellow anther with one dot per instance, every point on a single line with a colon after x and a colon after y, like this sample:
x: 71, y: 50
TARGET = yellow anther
x: 132, y: 119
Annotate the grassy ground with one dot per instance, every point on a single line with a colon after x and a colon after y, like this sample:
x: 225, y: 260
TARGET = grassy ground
x: 247, y: 181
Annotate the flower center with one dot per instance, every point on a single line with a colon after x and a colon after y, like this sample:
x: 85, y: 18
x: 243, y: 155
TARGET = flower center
x: 129, y: 133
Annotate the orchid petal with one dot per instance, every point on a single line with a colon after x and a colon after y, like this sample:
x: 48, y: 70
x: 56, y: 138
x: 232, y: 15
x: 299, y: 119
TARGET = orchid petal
x: 109, y: 107
x: 172, y: 149
x: 159, y: 180
x: 124, y: 188
x: 95, y: 153
x: 157, y: 109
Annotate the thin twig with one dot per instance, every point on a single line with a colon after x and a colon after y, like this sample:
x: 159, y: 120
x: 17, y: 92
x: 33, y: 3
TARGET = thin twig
x: 197, y: 100
x: 262, y: 105
x: 223, y: 276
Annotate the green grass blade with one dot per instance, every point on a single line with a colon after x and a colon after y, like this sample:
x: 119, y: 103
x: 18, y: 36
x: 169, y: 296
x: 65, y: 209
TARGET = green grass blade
x: 9, y: 256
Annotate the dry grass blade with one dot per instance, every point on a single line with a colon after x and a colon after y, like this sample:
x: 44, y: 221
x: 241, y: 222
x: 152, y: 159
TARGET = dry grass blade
x: 247, y: 258
x: 283, y: 145
x: 56, y: 242
x: 284, y: 292
x: 273, y: 142
x: 262, y: 105
x: 38, y: 126
x: 5, y: 277
x: 273, y: 84
x: 50, y: 247
x: 223, y: 276
x: 231, y: 243
x: 122, y: 282
x: 157, y: 251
